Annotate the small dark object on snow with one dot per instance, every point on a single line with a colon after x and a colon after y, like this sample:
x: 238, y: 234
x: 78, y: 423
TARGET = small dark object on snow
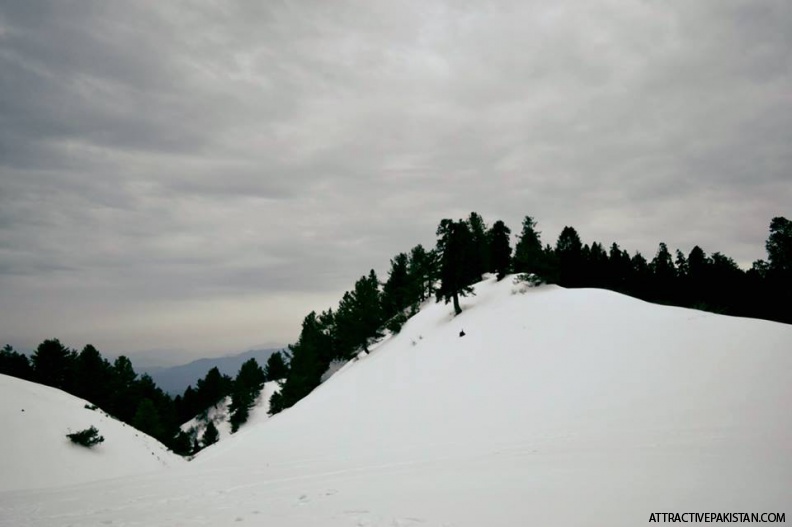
x: 87, y: 438
x: 462, y: 333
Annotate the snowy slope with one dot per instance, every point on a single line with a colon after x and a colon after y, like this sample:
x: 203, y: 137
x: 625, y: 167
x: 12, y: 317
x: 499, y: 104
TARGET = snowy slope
x: 34, y: 450
x: 558, y: 407
x: 219, y: 414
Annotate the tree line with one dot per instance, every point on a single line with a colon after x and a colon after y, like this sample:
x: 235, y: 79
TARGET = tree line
x: 135, y: 399
x: 467, y: 248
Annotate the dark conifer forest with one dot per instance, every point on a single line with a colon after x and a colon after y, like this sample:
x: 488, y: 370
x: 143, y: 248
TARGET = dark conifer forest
x: 464, y: 251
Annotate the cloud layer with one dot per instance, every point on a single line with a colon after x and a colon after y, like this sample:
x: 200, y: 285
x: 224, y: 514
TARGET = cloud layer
x: 199, y: 175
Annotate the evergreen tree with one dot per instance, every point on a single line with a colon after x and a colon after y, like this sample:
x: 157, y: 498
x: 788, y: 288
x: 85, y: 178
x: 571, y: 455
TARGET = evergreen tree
x: 500, y: 249
x: 276, y: 368
x: 779, y: 246
x: 725, y: 280
x: 778, y: 271
x: 53, y: 364
x: 422, y: 273
x: 247, y: 387
x: 681, y: 264
x: 147, y: 419
x: 664, y: 274
x: 619, y: 269
x: 310, y: 357
x: 276, y: 403
x: 210, y: 435
x: 15, y: 364
x: 697, y: 286
x: 528, y: 253
x: 212, y: 389
x: 359, y: 316
x: 396, y: 291
x: 181, y: 444
x: 453, y: 246
x: 569, y: 250
x: 92, y: 374
x: 241, y: 401
x: 187, y: 406
x: 479, y: 252
x: 367, y: 294
x: 597, y: 266
x: 640, y: 276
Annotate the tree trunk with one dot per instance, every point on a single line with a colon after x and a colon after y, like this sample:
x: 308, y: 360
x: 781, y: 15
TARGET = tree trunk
x: 457, y: 309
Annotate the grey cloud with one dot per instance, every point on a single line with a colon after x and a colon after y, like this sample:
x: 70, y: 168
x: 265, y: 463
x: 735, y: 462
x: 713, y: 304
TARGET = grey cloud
x: 156, y: 154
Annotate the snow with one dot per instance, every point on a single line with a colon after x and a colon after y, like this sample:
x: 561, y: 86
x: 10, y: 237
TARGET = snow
x: 558, y: 407
x: 220, y: 414
x: 36, y: 453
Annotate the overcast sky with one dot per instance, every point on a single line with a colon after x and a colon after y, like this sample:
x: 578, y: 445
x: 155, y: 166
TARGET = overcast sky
x: 199, y: 175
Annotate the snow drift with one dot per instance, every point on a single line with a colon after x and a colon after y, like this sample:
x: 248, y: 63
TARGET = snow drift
x: 557, y: 407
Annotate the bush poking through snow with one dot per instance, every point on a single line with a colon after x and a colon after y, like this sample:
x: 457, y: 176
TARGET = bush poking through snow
x: 87, y: 438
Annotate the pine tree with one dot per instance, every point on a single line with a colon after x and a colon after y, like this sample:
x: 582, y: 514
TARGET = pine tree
x: 396, y: 290
x: 53, y: 364
x: 422, y: 273
x: 247, y: 386
x: 698, y: 264
x: 15, y: 364
x: 569, y: 250
x: 528, y: 254
x: 779, y: 246
x: 210, y: 435
x: 640, y: 275
x: 478, y: 259
x: 147, y: 419
x: 664, y: 275
x: 453, y: 246
x: 181, y: 444
x: 276, y: 368
x: 500, y: 249
x: 598, y: 265
x: 359, y: 316
x: 92, y: 375
x: 310, y: 357
x: 241, y: 401
x: 212, y: 389
x: 619, y: 269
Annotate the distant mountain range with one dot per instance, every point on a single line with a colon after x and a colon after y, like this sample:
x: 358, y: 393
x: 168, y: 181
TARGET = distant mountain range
x: 175, y: 379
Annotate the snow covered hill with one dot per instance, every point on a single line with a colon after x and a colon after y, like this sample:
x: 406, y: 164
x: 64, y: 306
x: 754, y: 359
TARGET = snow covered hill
x: 557, y: 407
x: 34, y: 450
